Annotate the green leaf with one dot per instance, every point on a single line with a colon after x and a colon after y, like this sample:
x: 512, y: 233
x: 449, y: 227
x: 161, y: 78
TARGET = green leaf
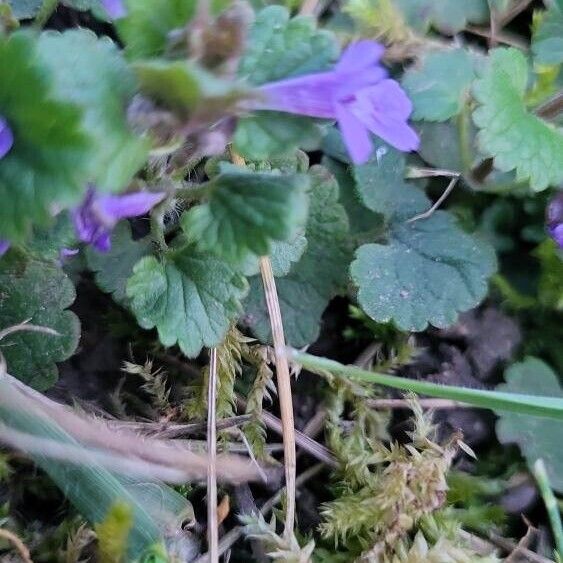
x: 440, y: 87
x: 271, y: 133
x: 91, y: 73
x: 445, y: 145
x: 279, y: 47
x: 320, y: 274
x: 517, y: 139
x: 191, y: 298
x: 363, y: 221
x: 428, y: 272
x: 145, y: 30
x: 114, y: 268
x: 48, y: 164
x: 550, y: 283
x: 282, y: 257
x: 40, y: 292
x: 47, y: 242
x: 25, y: 9
x: 528, y: 404
x: 247, y: 211
x: 450, y: 16
x: 537, y: 437
x: 547, y: 40
x: 379, y: 182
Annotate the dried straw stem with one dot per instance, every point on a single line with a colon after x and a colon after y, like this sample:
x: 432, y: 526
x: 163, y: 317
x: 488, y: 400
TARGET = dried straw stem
x: 283, y: 379
x: 212, y: 524
x: 19, y: 546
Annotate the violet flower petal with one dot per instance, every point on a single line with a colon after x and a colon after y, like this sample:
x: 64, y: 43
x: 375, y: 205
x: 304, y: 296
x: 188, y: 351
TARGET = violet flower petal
x: 96, y: 216
x: 4, y: 246
x: 554, y: 218
x: 384, y: 110
x: 357, y: 93
x: 359, y: 56
x: 115, y: 8
x: 556, y: 234
x: 354, y: 135
x: 119, y: 207
x: 6, y: 138
x: 312, y: 95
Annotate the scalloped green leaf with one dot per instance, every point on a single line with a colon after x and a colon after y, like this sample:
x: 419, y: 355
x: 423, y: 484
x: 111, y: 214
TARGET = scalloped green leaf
x: 246, y: 211
x: 267, y: 134
x: 428, y: 272
x: 449, y: 16
x: 48, y: 242
x: 39, y: 292
x: 517, y: 139
x: 547, y: 40
x: 191, y: 298
x: 91, y: 73
x: 319, y: 276
x: 282, y: 257
x: 24, y: 9
x: 27, y: 9
x: 363, y: 222
x: 439, y: 87
x: 537, y: 437
x: 113, y: 269
x: 279, y: 47
x: 146, y: 28
x: 379, y: 183
x: 49, y: 161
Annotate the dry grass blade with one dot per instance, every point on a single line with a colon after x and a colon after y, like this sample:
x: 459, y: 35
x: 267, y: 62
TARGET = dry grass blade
x: 212, y: 524
x: 97, y: 434
x: 19, y: 546
x: 322, y: 453
x: 284, y: 390
x: 283, y: 379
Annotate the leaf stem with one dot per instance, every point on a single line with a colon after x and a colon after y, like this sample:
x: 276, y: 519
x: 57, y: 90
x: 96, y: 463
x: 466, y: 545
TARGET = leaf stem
x: 550, y: 501
x: 45, y: 12
x: 536, y: 405
x: 283, y: 379
x: 212, y: 524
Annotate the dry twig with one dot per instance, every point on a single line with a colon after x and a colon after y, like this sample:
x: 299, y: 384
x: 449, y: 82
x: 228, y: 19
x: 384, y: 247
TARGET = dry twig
x: 18, y: 544
x: 212, y: 524
x: 283, y: 379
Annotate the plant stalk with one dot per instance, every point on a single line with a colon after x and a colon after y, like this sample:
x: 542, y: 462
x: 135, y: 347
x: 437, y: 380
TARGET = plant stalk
x: 550, y: 501
x: 283, y: 379
x: 535, y: 405
x: 212, y: 524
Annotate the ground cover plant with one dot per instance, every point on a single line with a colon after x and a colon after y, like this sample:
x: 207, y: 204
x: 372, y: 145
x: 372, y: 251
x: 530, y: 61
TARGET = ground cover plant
x: 281, y: 281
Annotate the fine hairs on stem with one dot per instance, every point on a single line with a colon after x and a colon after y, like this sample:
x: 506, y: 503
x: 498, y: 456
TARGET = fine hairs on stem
x: 283, y: 379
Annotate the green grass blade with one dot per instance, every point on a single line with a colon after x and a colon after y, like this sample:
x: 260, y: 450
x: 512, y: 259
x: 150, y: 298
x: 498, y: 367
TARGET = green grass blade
x: 536, y: 405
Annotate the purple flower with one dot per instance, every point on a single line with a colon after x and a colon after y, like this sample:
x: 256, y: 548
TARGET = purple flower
x: 4, y: 246
x: 554, y: 214
x: 96, y: 216
x: 356, y: 93
x: 115, y: 8
x: 6, y: 138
